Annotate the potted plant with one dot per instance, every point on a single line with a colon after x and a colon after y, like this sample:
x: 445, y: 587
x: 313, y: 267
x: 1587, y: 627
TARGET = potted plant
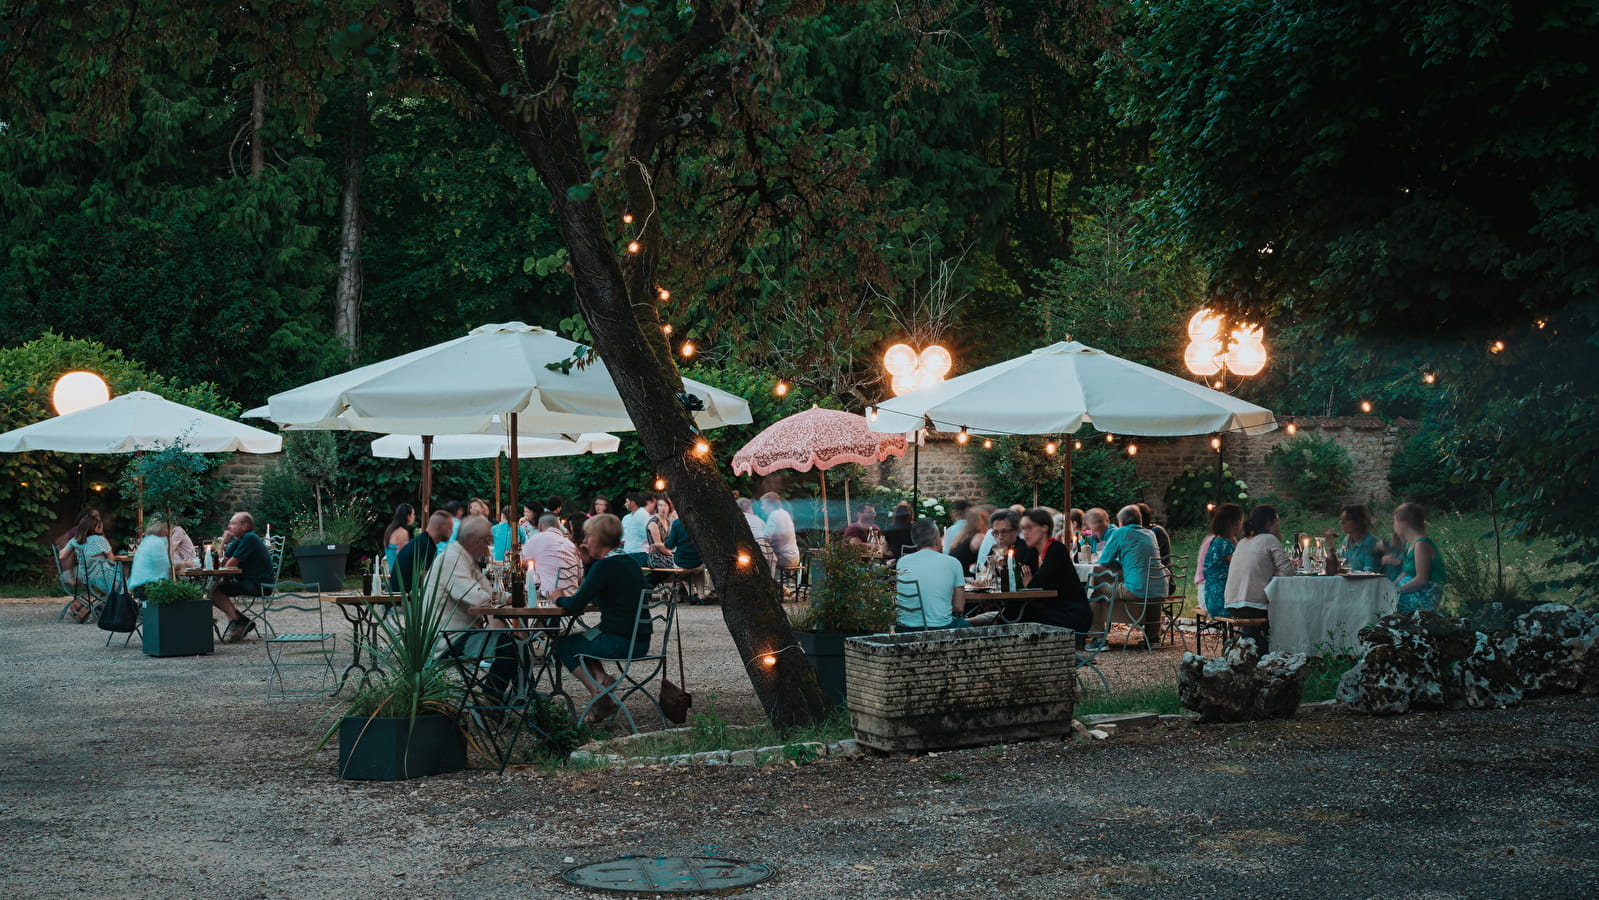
x: 850, y: 597
x: 168, y: 481
x: 325, y: 537
x: 400, y: 723
x: 321, y: 551
x: 177, y: 619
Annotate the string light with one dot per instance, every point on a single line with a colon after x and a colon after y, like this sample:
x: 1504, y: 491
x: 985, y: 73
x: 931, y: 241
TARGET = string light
x: 633, y: 246
x: 1216, y: 385
x: 1215, y: 443
x: 1497, y: 347
x: 1110, y: 438
x: 1543, y: 323
x: 1210, y: 507
x: 769, y: 660
x: 667, y: 329
x: 963, y: 436
x: 99, y: 487
x: 701, y: 447
x: 627, y: 218
x: 988, y: 444
x: 1429, y: 378
x: 687, y: 349
x: 1077, y: 445
x: 660, y: 484
x: 871, y: 414
x: 1365, y: 406
x: 1293, y: 429
x: 743, y: 558
x: 781, y: 390
x: 1132, y: 449
x: 1050, y: 448
x: 666, y: 294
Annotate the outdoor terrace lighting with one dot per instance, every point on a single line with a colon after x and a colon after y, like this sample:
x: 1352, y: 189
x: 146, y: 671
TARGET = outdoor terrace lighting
x: 909, y: 371
x: 1211, y: 348
x: 77, y: 391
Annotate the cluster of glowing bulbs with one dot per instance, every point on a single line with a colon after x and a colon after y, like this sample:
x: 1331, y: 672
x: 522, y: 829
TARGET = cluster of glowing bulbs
x: 1243, y: 352
x: 910, y: 371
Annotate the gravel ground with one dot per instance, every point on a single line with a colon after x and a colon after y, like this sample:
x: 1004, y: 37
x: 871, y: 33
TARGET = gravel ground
x: 127, y: 776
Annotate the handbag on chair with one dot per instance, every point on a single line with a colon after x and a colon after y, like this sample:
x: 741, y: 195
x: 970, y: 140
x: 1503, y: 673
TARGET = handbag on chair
x: 120, y: 613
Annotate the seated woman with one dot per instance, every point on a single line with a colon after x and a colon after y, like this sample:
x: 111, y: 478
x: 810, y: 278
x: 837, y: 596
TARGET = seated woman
x: 1421, y: 579
x: 151, y: 561
x: 1360, y: 549
x: 96, y: 569
x: 970, y: 539
x: 1044, y: 563
x: 181, y: 549
x: 1258, y: 559
x: 1225, y: 528
x: 614, y: 583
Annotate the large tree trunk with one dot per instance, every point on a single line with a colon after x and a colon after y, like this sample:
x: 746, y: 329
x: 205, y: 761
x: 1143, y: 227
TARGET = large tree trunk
x: 347, y: 293
x: 257, y: 122
x: 628, y: 337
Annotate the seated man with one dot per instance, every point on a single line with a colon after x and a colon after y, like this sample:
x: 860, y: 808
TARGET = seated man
x: 456, y: 579
x: 248, y: 553
x: 861, y: 530
x: 1096, y: 529
x: 932, y: 589
x: 417, y: 555
x: 1128, y: 552
x: 557, y: 570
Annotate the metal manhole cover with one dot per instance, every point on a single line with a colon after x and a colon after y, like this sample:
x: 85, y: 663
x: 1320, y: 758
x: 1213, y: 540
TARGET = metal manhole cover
x: 668, y: 874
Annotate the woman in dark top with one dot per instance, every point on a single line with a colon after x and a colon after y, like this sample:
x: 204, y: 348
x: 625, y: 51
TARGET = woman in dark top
x: 897, y: 536
x: 970, y: 540
x: 614, y: 583
x: 1042, y: 562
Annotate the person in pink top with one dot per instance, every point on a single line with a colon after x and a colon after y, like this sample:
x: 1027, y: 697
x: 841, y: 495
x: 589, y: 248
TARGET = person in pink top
x: 556, y: 570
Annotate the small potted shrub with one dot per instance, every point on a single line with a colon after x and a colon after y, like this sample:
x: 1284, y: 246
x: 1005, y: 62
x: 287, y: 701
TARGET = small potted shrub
x: 851, y: 597
x: 177, y: 619
x: 401, y: 722
x: 324, y: 538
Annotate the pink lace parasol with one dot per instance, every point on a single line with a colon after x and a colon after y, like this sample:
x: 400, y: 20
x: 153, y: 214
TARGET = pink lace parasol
x: 816, y: 438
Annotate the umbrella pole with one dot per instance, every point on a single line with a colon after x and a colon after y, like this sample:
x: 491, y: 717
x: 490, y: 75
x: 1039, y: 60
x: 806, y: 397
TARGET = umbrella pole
x: 1222, y: 443
x: 847, y: 516
x: 427, y: 477
x: 516, y: 533
x: 916, y: 476
x: 496, y: 484
x: 827, y: 528
x: 1067, y: 481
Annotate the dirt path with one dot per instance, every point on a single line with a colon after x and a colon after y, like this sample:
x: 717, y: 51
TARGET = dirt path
x: 127, y: 776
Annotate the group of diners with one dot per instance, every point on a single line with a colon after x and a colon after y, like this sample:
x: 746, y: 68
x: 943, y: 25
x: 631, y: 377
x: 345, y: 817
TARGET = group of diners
x: 1243, y: 553
x: 1025, y: 549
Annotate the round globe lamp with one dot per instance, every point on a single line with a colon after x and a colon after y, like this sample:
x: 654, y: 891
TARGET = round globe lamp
x: 77, y: 391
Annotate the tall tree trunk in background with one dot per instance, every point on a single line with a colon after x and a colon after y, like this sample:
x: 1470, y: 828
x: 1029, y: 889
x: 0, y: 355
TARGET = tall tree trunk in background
x: 347, y: 293
x: 257, y: 122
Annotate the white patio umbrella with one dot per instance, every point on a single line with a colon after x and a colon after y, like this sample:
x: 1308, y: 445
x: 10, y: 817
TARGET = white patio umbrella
x: 461, y: 385
x: 138, y: 421
x: 1060, y: 388
x: 487, y: 446
x: 135, y: 422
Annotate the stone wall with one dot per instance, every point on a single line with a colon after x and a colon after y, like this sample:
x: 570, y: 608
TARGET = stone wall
x: 949, y: 469
x: 243, y: 473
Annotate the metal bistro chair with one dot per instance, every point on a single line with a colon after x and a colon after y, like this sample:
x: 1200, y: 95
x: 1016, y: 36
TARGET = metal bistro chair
x: 638, y: 671
x: 1095, y: 642
x: 1176, y: 599
x: 303, y: 649
x: 76, y: 591
x: 257, y: 608
x: 1109, y: 584
x: 908, y: 597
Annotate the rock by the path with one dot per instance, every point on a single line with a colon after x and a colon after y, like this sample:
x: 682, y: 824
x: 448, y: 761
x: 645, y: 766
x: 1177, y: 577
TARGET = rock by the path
x: 1241, y: 684
x: 1552, y: 646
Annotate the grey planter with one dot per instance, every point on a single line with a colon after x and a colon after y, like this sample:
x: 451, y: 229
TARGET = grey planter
x: 825, y: 650
x: 966, y: 687
x: 177, y: 629
x: 322, y: 565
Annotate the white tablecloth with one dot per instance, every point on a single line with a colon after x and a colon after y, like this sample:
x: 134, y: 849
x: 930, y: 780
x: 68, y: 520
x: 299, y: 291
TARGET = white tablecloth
x: 1323, y: 614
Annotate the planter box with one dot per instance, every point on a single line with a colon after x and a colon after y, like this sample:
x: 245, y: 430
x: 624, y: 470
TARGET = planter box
x: 390, y: 749
x: 967, y: 687
x: 177, y: 629
x: 322, y: 565
x: 825, y: 650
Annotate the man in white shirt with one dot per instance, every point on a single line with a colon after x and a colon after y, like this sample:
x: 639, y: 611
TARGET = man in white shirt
x: 780, y: 531
x: 456, y: 580
x: 556, y: 568
x: 932, y: 589
x: 635, y: 525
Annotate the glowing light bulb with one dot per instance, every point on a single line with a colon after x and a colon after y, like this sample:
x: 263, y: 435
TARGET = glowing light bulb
x: 1247, y: 354
x: 988, y: 444
x: 900, y: 359
x: 937, y: 362
x: 1110, y: 438
x: 687, y: 349
x: 1077, y: 445
x: 627, y: 218
x: 1216, y: 385
x: 76, y: 391
x: 962, y: 437
x: 781, y: 389
x: 1365, y: 406
x: 1429, y: 378
x: 667, y: 329
x: 665, y: 294
x: 701, y: 447
x: 1203, y: 325
x: 633, y: 246
x: 660, y: 484
x: 1050, y: 448
x: 871, y: 414
x: 1497, y: 347
x: 769, y: 660
x: 743, y: 558
x: 1215, y: 443
x: 1132, y: 449
x: 1293, y: 428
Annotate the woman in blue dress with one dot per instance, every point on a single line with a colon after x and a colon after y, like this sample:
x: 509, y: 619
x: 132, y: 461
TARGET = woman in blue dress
x: 1421, y: 579
x: 1225, y: 527
x: 1360, y: 549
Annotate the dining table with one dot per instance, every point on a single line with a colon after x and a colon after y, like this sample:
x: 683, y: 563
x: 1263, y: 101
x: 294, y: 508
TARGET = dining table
x: 362, y: 611
x: 1321, y: 615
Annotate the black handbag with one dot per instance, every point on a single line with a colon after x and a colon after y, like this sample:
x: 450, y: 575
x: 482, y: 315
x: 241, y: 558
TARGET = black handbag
x: 120, y: 612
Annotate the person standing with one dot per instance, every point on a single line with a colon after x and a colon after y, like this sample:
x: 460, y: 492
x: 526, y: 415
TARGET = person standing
x: 398, y: 533
x: 780, y: 531
x: 636, y: 525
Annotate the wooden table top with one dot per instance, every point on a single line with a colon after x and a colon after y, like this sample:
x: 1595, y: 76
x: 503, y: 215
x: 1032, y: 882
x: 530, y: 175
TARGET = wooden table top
x: 1040, y: 594
x: 523, y: 612
x: 352, y: 598
x: 670, y: 571
x: 211, y: 573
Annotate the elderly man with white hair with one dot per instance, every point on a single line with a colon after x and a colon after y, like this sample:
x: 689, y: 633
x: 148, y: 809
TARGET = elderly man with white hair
x: 780, y: 531
x: 456, y: 579
x: 1129, y: 551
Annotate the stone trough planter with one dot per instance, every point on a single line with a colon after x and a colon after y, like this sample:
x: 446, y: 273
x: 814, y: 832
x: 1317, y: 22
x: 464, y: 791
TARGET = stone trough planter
x: 970, y: 687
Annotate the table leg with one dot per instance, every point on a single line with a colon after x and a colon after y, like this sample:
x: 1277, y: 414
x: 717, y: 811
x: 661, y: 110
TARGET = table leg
x: 363, y: 633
